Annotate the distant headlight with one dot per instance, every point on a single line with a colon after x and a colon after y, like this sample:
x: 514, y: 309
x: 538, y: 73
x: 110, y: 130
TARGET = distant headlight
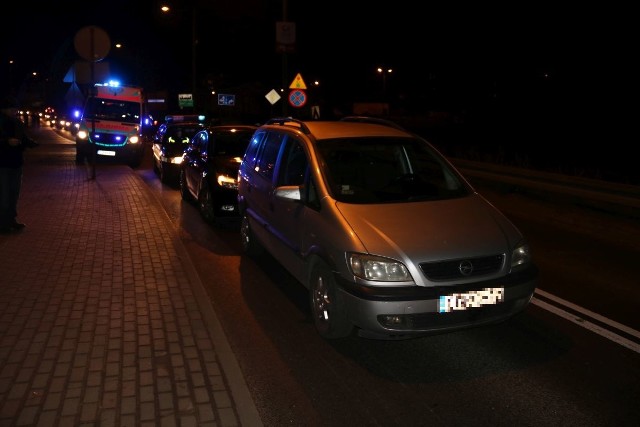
x: 520, y: 256
x: 370, y: 267
x: 176, y: 160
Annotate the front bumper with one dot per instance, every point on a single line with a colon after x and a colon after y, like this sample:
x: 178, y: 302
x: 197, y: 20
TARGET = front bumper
x: 397, y: 313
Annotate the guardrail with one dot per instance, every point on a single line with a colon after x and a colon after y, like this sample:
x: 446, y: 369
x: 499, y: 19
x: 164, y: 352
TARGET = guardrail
x: 613, y: 198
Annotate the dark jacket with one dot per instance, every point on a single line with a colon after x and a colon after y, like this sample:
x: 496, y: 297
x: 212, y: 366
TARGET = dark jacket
x: 11, y: 156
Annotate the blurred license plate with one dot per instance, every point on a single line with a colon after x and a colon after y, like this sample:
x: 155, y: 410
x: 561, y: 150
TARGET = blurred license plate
x: 466, y: 300
x: 106, y: 153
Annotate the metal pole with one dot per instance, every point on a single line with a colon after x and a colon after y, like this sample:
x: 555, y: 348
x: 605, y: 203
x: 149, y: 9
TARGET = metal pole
x: 93, y: 116
x: 194, y: 42
x: 284, y: 65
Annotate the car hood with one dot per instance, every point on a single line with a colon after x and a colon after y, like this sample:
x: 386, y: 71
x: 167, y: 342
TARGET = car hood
x: 445, y: 229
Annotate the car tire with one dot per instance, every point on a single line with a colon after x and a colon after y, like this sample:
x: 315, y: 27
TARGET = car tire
x: 162, y: 174
x: 328, y: 311
x: 80, y: 155
x: 184, y: 189
x: 135, y: 161
x: 250, y: 245
x: 206, y: 205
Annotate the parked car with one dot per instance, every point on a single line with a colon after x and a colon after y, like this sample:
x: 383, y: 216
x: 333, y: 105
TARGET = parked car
x: 388, y: 237
x: 209, y: 170
x: 170, y: 141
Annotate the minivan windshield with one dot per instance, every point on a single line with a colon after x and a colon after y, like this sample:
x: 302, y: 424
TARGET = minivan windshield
x: 111, y: 109
x: 386, y: 170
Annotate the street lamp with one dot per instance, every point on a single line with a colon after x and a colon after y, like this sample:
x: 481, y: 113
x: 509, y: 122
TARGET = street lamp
x: 384, y: 73
x: 194, y: 41
x: 10, y: 79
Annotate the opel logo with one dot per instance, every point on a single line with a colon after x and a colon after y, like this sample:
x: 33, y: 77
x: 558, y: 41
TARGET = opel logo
x: 465, y: 267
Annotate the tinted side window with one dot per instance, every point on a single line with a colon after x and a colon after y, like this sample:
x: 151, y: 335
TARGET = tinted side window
x: 269, y: 154
x: 203, y: 142
x: 293, y: 164
x: 199, y: 143
x: 251, y: 154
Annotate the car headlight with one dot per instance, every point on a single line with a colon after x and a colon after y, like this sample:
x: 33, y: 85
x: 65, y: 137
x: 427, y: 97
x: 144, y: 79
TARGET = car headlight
x: 134, y: 139
x: 371, y: 267
x: 83, y: 134
x: 520, y: 256
x: 227, y: 182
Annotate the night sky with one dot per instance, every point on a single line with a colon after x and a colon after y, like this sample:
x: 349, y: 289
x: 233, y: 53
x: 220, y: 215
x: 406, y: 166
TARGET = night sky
x: 539, y: 72
x: 341, y: 42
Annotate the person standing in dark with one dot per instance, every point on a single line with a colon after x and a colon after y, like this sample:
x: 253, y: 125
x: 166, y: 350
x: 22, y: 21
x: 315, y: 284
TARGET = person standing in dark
x: 13, y: 142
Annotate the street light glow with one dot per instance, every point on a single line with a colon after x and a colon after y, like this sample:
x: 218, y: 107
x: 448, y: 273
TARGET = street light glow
x: 384, y: 73
x: 194, y: 92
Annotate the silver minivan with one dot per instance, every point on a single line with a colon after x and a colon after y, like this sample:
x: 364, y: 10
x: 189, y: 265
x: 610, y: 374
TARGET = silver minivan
x: 388, y: 237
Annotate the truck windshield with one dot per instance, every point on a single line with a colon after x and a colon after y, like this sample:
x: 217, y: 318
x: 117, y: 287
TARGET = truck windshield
x: 110, y: 109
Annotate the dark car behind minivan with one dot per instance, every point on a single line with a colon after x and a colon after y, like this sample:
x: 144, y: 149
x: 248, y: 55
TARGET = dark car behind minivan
x: 209, y: 170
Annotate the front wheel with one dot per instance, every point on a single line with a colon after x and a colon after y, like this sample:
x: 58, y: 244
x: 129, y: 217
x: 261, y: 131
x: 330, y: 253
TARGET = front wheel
x: 250, y: 245
x: 328, y: 311
x: 162, y: 174
x: 184, y: 190
x: 135, y: 161
x: 80, y: 155
x: 205, y: 203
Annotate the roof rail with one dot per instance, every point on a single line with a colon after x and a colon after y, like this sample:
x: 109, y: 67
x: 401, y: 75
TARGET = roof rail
x: 375, y: 120
x: 289, y: 121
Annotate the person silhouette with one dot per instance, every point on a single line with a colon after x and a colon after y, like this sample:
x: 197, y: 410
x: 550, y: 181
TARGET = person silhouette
x: 13, y: 142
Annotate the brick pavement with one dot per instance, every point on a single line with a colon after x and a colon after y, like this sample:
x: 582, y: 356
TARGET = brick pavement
x: 103, y: 320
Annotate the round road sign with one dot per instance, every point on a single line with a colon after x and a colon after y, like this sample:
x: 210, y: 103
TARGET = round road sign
x: 297, y: 98
x: 92, y: 43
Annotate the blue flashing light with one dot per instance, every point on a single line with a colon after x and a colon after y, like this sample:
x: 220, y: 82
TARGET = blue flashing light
x: 110, y: 83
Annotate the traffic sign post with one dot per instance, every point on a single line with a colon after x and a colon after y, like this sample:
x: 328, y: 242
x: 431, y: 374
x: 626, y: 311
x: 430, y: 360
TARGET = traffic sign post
x: 226, y: 99
x: 297, y: 98
x: 92, y: 44
x: 185, y: 100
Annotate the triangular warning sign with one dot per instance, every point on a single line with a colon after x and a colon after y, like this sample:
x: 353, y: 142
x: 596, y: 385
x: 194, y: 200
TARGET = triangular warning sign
x: 298, y: 83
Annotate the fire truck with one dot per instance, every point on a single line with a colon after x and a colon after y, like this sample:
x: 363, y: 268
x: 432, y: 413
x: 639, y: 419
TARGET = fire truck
x: 111, y: 124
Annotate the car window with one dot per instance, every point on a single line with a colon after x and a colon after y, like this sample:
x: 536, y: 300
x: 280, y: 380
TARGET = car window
x: 269, y: 155
x: 200, y: 140
x: 382, y: 170
x: 231, y: 143
x: 293, y: 164
x: 161, y: 131
x: 251, y: 154
x: 177, y: 134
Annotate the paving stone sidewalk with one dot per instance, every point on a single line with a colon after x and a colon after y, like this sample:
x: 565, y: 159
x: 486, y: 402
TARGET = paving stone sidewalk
x: 103, y: 321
